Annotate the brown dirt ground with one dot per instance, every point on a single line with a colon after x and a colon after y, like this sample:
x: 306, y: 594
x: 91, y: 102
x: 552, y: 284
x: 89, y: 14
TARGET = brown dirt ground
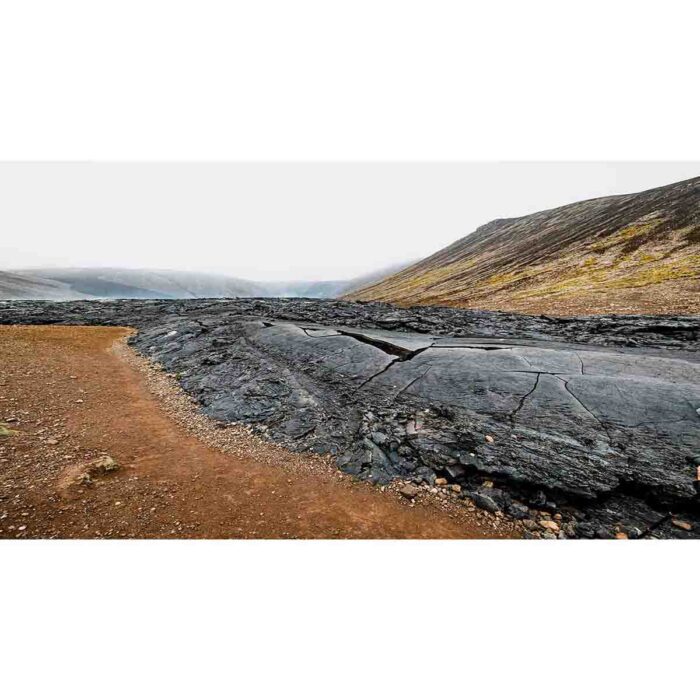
x: 73, y: 394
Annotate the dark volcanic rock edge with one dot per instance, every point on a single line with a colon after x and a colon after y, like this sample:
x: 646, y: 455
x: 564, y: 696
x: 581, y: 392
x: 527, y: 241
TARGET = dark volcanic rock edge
x: 595, y: 416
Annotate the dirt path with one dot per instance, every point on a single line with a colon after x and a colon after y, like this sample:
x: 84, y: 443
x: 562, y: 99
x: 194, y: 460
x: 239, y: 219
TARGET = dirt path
x: 73, y: 394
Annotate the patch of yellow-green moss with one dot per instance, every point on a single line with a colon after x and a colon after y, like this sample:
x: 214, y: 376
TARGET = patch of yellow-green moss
x: 616, y: 276
x: 5, y: 431
x: 650, y: 257
x: 626, y: 258
x: 688, y: 267
x: 623, y: 235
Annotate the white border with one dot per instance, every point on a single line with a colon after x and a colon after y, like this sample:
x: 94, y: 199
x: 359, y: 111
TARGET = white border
x: 348, y: 620
x: 367, y: 80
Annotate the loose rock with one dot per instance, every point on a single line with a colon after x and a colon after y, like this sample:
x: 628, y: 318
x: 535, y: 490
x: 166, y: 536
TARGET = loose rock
x: 409, y: 490
x: 682, y: 525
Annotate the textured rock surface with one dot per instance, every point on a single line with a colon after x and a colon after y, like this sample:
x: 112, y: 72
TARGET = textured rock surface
x: 598, y: 416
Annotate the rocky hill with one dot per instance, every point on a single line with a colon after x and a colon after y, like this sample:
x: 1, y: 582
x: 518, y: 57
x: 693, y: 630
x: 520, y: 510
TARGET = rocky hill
x: 633, y: 253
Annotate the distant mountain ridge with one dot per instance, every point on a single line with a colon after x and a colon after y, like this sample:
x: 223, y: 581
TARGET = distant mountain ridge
x: 16, y: 286
x: 328, y: 290
x: 111, y: 283
x: 632, y: 253
x: 145, y: 284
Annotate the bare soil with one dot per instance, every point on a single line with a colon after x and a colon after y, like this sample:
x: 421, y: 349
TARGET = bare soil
x: 71, y: 395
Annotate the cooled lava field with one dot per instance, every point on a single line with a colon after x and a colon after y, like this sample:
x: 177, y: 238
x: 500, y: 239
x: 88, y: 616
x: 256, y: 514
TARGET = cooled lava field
x: 598, y: 417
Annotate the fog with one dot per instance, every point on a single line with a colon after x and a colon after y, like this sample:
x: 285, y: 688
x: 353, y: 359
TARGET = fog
x: 280, y: 221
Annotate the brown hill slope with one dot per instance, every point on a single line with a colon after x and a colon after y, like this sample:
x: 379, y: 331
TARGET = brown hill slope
x: 634, y: 253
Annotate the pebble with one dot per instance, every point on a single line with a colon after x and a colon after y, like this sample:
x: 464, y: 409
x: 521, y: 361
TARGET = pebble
x: 489, y: 438
x: 682, y: 525
x: 440, y: 481
x: 549, y: 525
x: 409, y: 490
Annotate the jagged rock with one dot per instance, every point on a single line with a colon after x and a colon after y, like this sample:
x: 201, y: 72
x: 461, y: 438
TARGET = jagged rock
x: 484, y: 501
x: 517, y: 510
x: 456, y: 472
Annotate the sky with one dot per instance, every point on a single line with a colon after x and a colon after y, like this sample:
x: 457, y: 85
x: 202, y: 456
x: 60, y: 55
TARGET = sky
x: 280, y: 221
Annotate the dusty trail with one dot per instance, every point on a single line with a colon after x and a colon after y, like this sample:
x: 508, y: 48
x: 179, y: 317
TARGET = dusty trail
x: 71, y: 398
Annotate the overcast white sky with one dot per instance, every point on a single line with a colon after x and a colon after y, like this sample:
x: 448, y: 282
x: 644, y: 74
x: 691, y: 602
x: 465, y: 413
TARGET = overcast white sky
x: 270, y: 221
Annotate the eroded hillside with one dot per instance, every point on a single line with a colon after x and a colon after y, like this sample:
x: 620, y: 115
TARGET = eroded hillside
x: 636, y: 253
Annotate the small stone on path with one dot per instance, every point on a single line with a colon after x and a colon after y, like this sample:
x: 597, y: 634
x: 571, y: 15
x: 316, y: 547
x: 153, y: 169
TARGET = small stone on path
x: 409, y: 490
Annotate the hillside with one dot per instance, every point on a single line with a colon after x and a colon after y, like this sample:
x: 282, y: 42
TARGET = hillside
x: 372, y: 277
x: 634, y: 253
x: 16, y: 286
x: 330, y: 289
